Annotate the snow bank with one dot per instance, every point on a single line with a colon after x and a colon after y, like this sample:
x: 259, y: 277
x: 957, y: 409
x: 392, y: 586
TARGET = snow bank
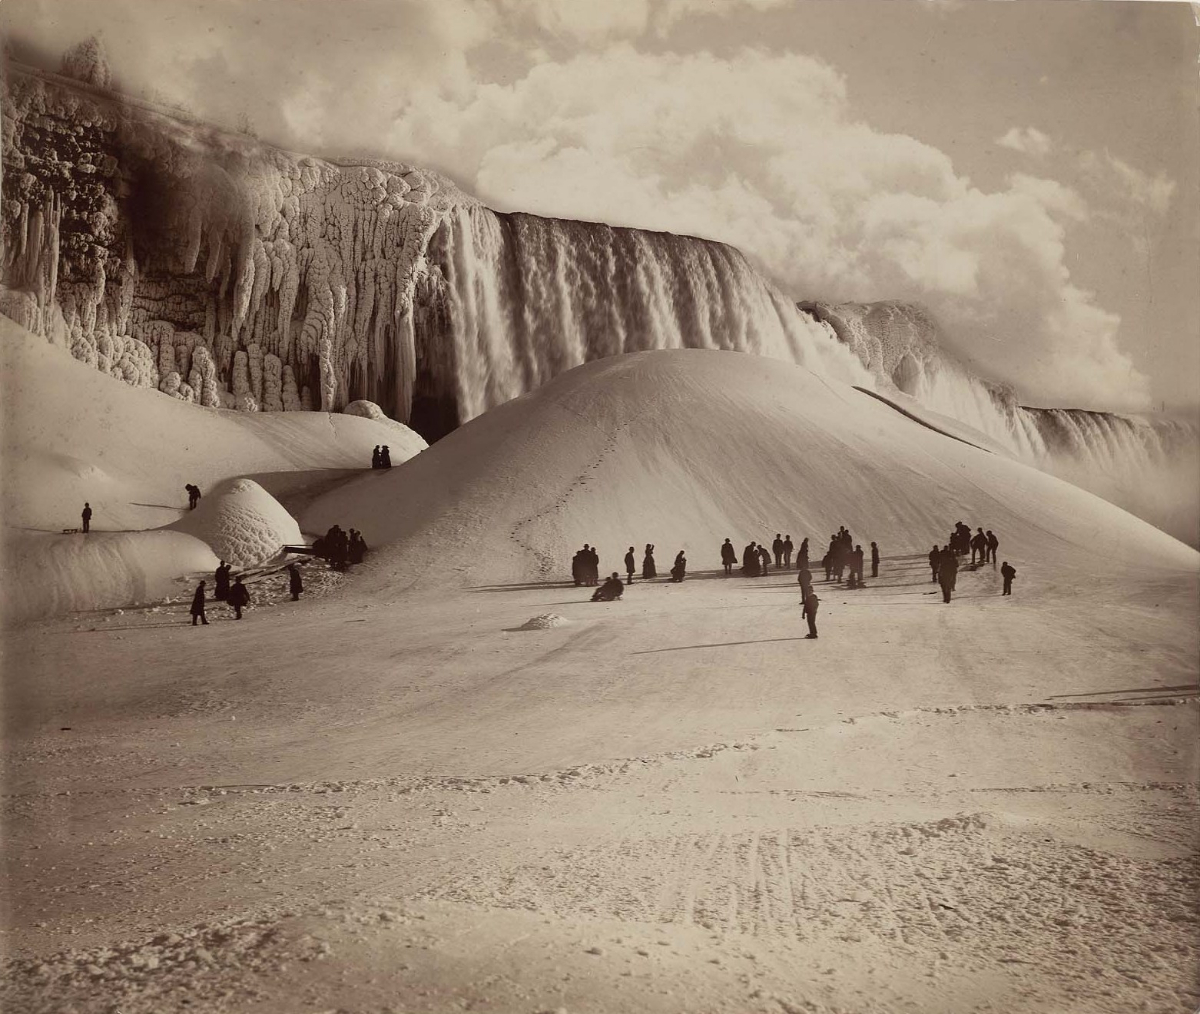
x: 62, y: 573
x: 242, y: 523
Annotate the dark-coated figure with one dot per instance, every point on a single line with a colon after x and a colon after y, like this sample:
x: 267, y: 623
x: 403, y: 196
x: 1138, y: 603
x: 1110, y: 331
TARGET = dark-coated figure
x: 777, y: 549
x: 221, y: 591
x: 948, y: 573
x: 385, y: 457
x: 239, y: 598
x: 750, y: 560
x: 1008, y: 573
x: 728, y: 557
x: 935, y: 558
x: 198, y: 606
x: 874, y: 560
x: 630, y: 566
x: 993, y: 544
x: 193, y: 493
x: 979, y: 547
x: 295, y: 582
x: 649, y: 571
x: 679, y: 568
x: 788, y: 548
x: 87, y: 516
x: 611, y: 590
x: 811, y: 602
x: 376, y: 458
x: 802, y: 556
x: 764, y: 561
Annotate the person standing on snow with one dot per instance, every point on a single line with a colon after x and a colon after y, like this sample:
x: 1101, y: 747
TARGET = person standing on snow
x: 221, y: 592
x: 680, y: 567
x: 764, y: 556
x: 947, y: 572
x: 376, y: 458
x: 750, y: 565
x: 979, y: 546
x: 385, y: 457
x: 630, y: 566
x: 198, y: 606
x: 993, y: 544
x: 777, y: 549
x: 809, y: 613
x: 295, y: 583
x: 649, y: 571
x: 935, y: 558
x: 874, y: 560
x: 728, y: 557
x: 239, y: 598
x: 1008, y: 573
x: 193, y: 493
x: 87, y: 516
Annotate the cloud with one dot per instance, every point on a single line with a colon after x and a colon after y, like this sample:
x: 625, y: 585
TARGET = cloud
x: 760, y: 150
x: 1029, y: 141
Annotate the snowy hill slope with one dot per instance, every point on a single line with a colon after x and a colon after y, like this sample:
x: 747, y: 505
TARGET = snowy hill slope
x: 682, y: 448
x: 72, y: 434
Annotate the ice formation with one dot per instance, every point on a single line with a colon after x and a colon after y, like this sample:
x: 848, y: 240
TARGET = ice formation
x: 242, y: 523
x: 1150, y: 466
x: 224, y: 272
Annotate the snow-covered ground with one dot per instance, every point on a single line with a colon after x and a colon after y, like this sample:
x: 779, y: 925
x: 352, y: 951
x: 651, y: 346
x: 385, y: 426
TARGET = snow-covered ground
x: 389, y: 796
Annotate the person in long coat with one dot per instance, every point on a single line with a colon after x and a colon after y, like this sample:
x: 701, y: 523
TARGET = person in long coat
x: 764, y: 560
x: 993, y: 544
x: 649, y: 571
x: 86, y: 515
x: 680, y: 567
x: 295, y: 583
x: 728, y: 557
x: 221, y: 592
x: 805, y: 579
x: 750, y: 565
x: 788, y: 548
x: 935, y: 558
x: 874, y: 560
x: 1008, y: 573
x: 809, y: 613
x: 198, y: 606
x: 630, y: 565
x: 239, y: 598
x: 948, y: 573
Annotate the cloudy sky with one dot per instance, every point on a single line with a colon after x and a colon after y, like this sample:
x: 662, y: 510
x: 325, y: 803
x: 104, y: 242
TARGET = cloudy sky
x: 1028, y: 170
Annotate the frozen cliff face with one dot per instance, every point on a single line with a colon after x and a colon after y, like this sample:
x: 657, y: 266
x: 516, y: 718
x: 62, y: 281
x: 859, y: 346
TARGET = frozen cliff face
x: 204, y: 264
x: 225, y: 272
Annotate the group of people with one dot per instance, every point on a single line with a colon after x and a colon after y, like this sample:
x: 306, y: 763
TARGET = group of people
x: 381, y: 457
x: 613, y: 587
x: 237, y: 595
x: 943, y: 563
x: 585, y: 567
x: 341, y: 548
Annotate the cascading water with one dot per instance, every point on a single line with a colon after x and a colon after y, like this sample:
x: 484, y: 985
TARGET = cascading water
x: 1149, y: 466
x: 526, y: 298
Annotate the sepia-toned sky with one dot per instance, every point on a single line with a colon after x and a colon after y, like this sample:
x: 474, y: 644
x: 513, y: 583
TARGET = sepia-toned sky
x: 1028, y: 170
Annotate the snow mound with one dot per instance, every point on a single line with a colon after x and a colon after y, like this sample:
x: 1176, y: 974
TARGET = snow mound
x: 544, y: 621
x: 684, y: 448
x: 242, y: 523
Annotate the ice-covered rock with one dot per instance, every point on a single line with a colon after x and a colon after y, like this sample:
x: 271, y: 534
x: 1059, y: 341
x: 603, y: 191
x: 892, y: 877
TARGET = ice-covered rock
x: 242, y: 523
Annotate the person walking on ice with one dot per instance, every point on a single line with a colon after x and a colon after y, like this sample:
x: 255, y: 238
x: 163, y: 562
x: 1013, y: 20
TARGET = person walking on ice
x: 239, y: 598
x: 87, y: 516
x: 809, y: 613
x: 198, y: 606
x: 1008, y: 573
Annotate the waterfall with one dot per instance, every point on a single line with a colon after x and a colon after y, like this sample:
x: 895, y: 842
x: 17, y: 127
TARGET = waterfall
x: 526, y: 298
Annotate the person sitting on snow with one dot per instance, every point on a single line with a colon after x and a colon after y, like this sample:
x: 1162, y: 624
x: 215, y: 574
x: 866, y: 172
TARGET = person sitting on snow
x: 609, y: 591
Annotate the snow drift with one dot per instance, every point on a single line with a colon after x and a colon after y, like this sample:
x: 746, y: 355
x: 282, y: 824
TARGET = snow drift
x: 683, y: 448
